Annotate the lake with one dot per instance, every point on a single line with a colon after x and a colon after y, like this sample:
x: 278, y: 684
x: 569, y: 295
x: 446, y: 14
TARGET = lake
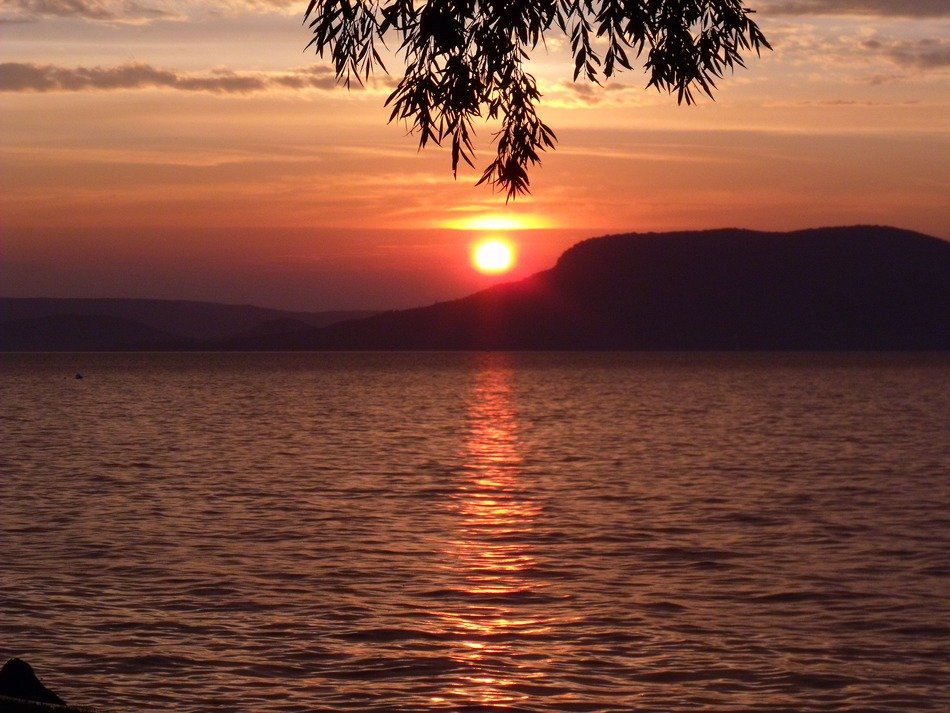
x: 452, y: 531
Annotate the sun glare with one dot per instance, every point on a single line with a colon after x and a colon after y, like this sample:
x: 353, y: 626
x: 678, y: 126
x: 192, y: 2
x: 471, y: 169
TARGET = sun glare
x: 493, y: 256
x: 499, y: 222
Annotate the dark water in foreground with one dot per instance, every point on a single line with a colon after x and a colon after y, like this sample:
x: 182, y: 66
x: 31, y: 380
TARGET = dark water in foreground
x: 370, y: 532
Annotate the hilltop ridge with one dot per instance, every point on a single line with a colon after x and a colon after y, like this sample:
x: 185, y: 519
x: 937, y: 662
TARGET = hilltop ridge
x: 861, y: 287
x: 844, y: 288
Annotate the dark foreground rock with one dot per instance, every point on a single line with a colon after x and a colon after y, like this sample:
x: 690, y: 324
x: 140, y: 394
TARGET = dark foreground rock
x: 17, y: 680
x: 18, y: 705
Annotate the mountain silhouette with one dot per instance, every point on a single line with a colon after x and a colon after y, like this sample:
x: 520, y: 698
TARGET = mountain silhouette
x: 40, y: 324
x: 76, y: 332
x: 864, y: 287
x: 850, y: 288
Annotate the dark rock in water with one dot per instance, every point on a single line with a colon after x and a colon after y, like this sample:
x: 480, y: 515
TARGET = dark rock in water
x: 78, y: 375
x: 17, y: 680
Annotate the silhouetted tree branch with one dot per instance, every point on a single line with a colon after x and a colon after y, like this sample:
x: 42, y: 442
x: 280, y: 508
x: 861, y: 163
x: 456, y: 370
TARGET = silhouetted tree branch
x: 465, y: 60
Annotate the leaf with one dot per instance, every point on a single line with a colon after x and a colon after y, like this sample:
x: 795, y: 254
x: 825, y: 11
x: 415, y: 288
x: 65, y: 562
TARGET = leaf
x: 465, y: 60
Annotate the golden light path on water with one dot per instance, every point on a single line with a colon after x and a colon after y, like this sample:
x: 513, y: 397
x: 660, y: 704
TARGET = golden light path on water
x: 488, y: 556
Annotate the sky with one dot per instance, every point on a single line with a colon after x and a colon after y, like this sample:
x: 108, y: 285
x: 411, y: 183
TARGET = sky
x: 192, y: 149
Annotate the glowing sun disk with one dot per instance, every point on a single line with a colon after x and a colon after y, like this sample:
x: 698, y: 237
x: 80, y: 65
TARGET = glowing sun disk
x: 493, y: 256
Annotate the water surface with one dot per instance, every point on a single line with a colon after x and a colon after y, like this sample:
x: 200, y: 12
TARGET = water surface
x: 425, y: 532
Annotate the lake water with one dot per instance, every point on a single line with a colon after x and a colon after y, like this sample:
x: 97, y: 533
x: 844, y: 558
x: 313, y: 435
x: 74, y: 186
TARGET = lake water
x: 426, y: 532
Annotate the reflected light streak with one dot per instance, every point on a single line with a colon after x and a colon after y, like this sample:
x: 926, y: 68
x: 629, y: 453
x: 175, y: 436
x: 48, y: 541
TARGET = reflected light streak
x: 489, y: 558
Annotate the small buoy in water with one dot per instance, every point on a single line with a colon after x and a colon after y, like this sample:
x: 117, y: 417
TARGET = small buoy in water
x: 78, y: 375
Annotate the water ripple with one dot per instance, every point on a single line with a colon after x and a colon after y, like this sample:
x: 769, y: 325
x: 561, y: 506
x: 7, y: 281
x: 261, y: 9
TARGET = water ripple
x: 464, y: 532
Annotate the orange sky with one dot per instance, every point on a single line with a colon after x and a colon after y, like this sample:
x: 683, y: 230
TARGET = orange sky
x: 192, y: 150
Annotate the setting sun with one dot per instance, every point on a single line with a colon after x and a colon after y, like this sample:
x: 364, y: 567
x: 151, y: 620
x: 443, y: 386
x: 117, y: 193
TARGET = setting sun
x: 493, y: 256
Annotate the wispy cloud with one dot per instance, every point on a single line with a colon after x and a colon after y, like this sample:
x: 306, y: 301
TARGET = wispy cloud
x: 887, y: 8
x: 28, y: 77
x: 923, y: 53
x: 266, y: 4
x: 578, y: 95
x: 877, y: 54
x: 101, y: 10
x: 137, y: 12
x: 857, y: 103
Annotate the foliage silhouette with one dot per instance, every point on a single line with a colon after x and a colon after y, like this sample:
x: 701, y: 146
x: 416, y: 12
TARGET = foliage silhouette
x: 465, y: 60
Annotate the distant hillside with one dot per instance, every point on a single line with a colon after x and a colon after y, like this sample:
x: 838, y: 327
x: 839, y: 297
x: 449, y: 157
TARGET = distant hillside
x: 28, y: 324
x: 831, y: 288
x: 869, y: 288
x: 79, y: 333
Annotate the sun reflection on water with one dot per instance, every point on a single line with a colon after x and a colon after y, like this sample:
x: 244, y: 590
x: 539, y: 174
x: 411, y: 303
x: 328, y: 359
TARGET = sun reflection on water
x: 493, y: 617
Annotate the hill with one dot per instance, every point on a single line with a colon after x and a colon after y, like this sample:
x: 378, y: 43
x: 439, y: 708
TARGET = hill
x: 78, y: 333
x: 41, y: 324
x: 852, y: 288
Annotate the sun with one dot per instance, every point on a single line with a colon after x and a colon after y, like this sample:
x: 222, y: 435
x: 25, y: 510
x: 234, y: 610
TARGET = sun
x: 493, y: 256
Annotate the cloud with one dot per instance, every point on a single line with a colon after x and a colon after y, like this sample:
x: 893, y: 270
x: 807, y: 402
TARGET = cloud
x: 266, y: 4
x: 565, y: 94
x: 859, y: 103
x: 101, y: 10
x: 134, y: 12
x: 877, y: 54
x: 925, y: 53
x: 890, y: 8
x: 28, y: 77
